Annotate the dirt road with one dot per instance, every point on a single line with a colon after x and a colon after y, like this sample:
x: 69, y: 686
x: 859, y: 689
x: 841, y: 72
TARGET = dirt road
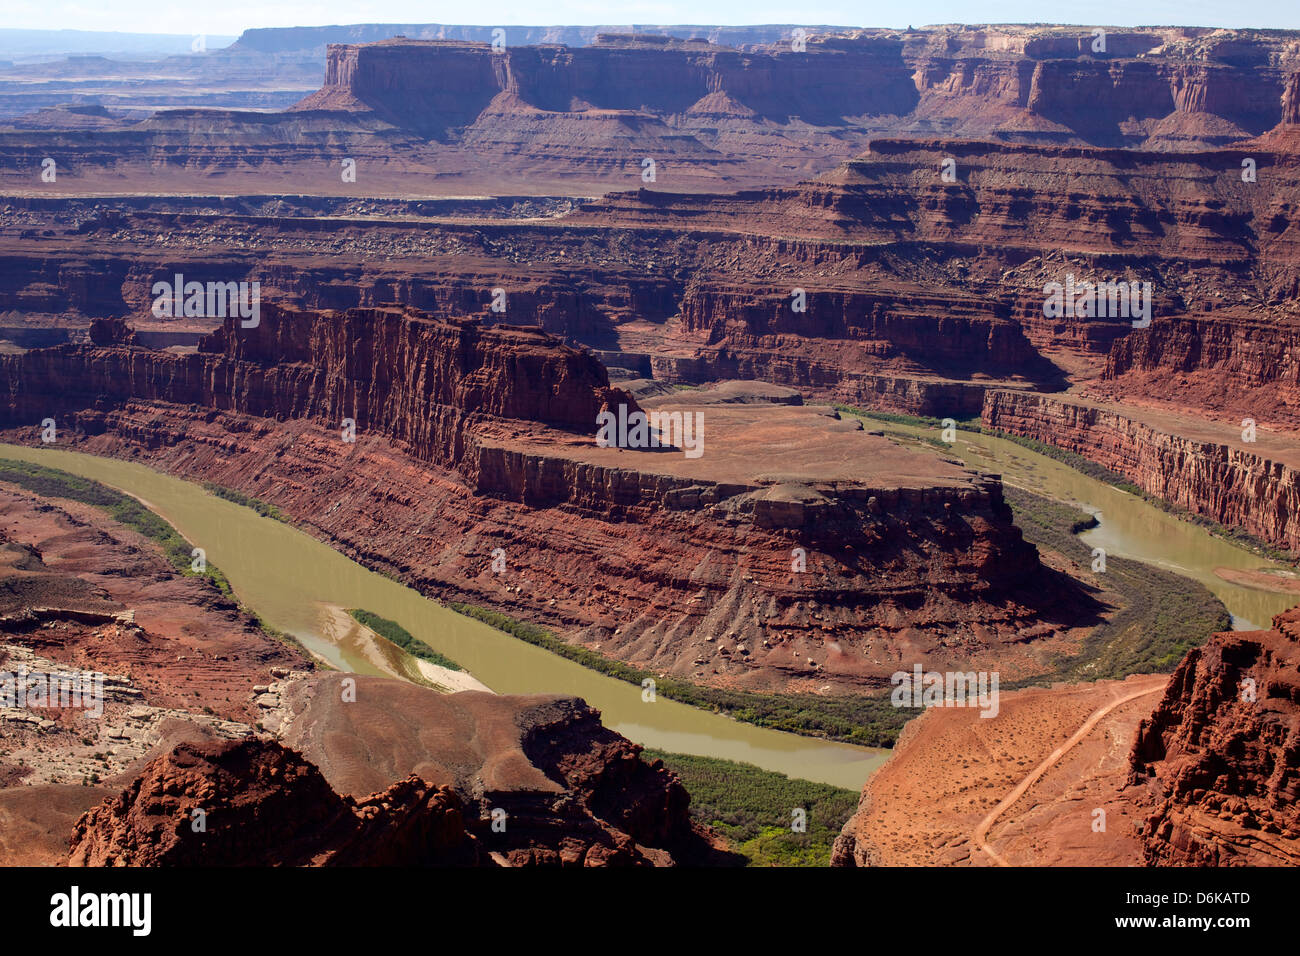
x: 1151, y: 685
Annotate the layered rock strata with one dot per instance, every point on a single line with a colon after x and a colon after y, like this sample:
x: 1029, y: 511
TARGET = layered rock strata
x: 1205, y: 469
x: 795, y: 549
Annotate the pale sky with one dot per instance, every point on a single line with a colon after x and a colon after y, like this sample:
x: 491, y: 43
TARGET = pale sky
x: 234, y: 16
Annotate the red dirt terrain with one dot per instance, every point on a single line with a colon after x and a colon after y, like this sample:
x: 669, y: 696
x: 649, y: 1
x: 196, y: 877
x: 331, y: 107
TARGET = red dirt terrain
x: 180, y: 662
x: 1199, y: 769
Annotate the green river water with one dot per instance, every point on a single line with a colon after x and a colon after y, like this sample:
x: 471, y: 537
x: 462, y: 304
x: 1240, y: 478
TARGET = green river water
x: 295, y: 582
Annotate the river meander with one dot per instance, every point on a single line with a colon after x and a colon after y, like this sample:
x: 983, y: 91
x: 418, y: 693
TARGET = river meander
x: 1129, y: 527
x: 294, y: 581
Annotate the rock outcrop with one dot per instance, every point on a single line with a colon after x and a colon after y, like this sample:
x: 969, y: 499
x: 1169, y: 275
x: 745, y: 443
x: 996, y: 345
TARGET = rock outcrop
x: 1221, y: 754
x: 1206, y: 471
x: 255, y: 803
x: 543, y: 782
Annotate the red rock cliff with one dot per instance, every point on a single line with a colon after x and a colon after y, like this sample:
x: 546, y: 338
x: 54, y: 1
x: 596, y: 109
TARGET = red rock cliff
x: 1229, y: 483
x: 404, y: 375
x: 1221, y: 754
x: 1232, y: 366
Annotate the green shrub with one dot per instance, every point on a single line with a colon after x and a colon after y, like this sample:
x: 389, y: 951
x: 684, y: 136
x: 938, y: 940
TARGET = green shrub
x: 393, y: 632
x: 754, y: 809
x: 248, y: 501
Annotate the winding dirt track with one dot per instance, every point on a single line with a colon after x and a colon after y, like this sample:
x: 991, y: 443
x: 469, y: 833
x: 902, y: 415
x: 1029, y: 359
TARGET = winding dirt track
x: 982, y: 831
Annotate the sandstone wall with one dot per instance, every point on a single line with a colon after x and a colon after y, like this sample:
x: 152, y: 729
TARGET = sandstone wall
x: 1234, y: 487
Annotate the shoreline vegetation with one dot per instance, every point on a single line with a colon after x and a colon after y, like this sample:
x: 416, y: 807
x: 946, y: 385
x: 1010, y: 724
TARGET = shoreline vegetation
x: 403, y: 639
x: 867, y: 721
x: 1163, y: 614
x: 130, y: 513
x: 263, y: 508
x: 754, y: 809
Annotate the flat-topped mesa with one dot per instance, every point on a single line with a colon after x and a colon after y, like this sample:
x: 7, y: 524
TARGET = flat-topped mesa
x: 401, y: 373
x: 1168, y: 86
x: 300, y: 39
x: 1221, y: 753
x: 441, y: 85
x: 795, y: 551
x: 462, y: 118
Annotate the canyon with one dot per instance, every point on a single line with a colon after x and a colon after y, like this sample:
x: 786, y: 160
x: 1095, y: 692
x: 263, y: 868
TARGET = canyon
x: 1205, y: 468
x: 821, y: 564
x: 717, y: 225
x: 202, y: 709
x: 918, y: 296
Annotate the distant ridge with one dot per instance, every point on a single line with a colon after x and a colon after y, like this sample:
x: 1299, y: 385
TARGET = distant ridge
x: 315, y: 39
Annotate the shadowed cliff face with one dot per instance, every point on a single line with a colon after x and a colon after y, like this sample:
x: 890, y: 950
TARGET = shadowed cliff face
x: 1177, y: 87
x: 1221, y: 754
x: 408, y: 376
x: 437, y: 86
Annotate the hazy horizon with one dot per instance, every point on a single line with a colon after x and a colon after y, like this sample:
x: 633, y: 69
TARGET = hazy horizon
x: 232, y: 19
